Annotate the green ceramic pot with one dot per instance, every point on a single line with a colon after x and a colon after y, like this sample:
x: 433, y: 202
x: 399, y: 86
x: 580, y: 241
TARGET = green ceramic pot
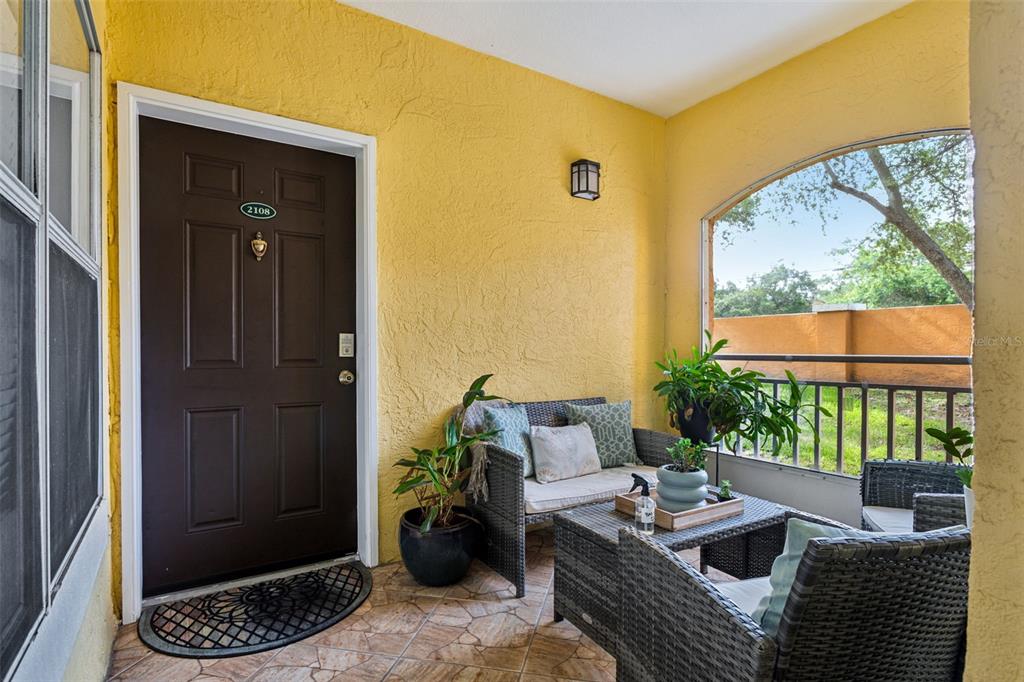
x: 681, y: 490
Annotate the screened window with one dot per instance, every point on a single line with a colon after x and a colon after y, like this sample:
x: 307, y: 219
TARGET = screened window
x: 50, y: 359
x: 21, y: 593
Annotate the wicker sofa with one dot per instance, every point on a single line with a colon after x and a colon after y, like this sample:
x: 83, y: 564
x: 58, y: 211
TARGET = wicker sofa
x: 904, y: 496
x: 887, y: 608
x: 505, y: 513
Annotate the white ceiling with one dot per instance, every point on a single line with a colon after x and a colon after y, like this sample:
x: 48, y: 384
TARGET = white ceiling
x: 658, y: 56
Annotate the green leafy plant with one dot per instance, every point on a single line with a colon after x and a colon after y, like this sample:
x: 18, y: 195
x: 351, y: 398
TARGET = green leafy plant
x: 687, y: 455
x: 435, y: 475
x: 959, y: 444
x: 725, y: 489
x: 739, y: 404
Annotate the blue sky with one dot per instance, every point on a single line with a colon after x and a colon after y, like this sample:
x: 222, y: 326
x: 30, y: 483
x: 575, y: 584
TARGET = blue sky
x: 804, y: 246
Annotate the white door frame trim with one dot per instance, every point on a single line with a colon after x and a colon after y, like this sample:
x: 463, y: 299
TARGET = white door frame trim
x: 134, y: 101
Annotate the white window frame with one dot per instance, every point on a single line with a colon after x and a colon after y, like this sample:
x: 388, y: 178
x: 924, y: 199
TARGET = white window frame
x: 47, y: 648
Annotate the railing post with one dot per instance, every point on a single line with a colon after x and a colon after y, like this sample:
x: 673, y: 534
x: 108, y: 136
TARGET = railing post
x: 839, y: 429
x: 890, y: 419
x: 863, y: 425
x: 949, y: 420
x: 775, y: 439
x: 918, y: 425
x: 817, y: 426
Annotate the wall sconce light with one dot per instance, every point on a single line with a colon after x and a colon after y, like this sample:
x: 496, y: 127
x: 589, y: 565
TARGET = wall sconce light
x: 585, y: 179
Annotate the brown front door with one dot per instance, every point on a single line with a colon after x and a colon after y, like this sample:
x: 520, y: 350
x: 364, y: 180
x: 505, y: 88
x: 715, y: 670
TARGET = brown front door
x: 248, y: 437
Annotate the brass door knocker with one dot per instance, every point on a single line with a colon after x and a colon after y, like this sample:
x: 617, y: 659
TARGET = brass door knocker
x: 259, y: 246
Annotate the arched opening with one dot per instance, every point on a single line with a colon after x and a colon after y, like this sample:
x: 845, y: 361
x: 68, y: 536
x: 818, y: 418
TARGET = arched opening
x: 855, y: 270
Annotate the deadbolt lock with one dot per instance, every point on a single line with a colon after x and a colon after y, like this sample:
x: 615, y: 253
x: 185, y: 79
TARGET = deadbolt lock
x: 346, y: 377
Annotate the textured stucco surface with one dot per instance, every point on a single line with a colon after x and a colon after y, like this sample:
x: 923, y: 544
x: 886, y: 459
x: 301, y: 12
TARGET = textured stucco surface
x: 486, y: 264
x: 902, y: 73
x: 995, y: 637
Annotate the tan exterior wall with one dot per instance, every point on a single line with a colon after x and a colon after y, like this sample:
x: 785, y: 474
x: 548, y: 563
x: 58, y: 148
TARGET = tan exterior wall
x: 923, y: 330
x: 995, y: 635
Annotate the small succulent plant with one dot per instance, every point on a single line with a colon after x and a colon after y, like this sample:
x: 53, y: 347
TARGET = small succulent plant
x: 687, y: 455
x: 725, y: 489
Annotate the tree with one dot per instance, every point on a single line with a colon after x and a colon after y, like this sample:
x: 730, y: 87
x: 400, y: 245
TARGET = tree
x: 921, y: 189
x: 780, y: 290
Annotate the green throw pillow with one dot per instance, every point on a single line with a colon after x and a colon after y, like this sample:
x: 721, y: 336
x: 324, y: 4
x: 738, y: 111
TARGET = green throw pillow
x: 612, y: 426
x: 769, y: 612
x: 514, y: 434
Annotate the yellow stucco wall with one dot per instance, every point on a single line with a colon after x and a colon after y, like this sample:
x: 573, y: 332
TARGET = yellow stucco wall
x: 904, y: 72
x: 995, y: 637
x: 486, y: 264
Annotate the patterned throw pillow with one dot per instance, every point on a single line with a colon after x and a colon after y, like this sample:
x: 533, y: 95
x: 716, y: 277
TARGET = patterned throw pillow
x: 612, y: 425
x: 515, y: 432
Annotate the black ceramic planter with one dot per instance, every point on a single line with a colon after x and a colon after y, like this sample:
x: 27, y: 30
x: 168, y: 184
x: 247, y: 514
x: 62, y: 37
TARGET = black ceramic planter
x: 696, y: 426
x: 442, y: 555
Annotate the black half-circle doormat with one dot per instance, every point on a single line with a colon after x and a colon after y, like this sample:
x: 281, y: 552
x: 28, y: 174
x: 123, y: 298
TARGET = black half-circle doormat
x: 257, y: 617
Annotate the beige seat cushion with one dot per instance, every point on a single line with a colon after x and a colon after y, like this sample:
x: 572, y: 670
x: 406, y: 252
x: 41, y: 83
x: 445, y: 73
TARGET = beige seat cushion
x: 746, y: 594
x: 602, y: 486
x: 890, y: 519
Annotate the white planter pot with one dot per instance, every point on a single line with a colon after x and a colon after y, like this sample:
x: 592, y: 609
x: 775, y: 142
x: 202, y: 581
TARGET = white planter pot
x: 969, y: 506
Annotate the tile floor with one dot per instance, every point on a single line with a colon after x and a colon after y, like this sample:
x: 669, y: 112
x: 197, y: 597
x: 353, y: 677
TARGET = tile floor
x: 475, y: 630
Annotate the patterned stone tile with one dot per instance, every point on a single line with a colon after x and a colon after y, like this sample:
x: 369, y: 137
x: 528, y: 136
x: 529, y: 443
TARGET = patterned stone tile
x: 407, y: 670
x: 483, y: 584
x: 128, y: 650
x: 328, y: 663
x: 393, y: 576
x: 289, y: 673
x: 560, y: 650
x: 235, y: 668
x: 383, y: 624
x: 161, y: 668
x: 476, y: 633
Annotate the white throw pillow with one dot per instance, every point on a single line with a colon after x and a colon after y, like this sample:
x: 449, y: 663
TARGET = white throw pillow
x: 561, y: 452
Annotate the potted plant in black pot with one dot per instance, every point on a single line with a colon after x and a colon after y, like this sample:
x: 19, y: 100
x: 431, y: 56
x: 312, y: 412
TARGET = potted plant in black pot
x: 710, y: 404
x: 438, y: 539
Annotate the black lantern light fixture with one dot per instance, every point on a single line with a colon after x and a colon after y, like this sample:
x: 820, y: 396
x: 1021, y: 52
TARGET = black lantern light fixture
x: 585, y: 179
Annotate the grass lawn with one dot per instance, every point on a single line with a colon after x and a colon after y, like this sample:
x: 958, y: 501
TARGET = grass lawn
x: 903, y: 428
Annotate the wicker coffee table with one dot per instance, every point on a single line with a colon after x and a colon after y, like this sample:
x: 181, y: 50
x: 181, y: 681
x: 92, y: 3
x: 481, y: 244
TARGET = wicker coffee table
x: 586, y: 562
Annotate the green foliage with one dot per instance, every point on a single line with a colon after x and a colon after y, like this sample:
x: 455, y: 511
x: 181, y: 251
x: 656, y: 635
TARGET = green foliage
x: 687, y: 455
x: 779, y: 291
x: 725, y: 489
x: 435, y: 475
x: 958, y: 443
x: 884, y: 269
x: 737, y: 401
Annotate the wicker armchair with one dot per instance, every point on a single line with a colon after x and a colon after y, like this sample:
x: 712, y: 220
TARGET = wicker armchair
x: 888, y: 608
x: 931, y: 489
x: 504, y: 515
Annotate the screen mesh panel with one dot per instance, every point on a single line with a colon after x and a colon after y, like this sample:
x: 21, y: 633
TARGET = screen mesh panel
x: 21, y: 597
x: 74, y: 402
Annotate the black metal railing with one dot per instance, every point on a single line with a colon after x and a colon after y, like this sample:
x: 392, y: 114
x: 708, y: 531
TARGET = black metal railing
x: 947, y: 401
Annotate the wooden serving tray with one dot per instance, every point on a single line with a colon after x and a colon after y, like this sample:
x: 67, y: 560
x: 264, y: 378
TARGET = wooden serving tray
x: 712, y: 511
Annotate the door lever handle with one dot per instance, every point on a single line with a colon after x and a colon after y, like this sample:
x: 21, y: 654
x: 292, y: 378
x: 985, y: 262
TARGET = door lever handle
x: 346, y: 377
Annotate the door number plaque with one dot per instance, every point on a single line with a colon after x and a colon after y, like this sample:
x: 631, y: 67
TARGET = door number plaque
x: 257, y: 210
